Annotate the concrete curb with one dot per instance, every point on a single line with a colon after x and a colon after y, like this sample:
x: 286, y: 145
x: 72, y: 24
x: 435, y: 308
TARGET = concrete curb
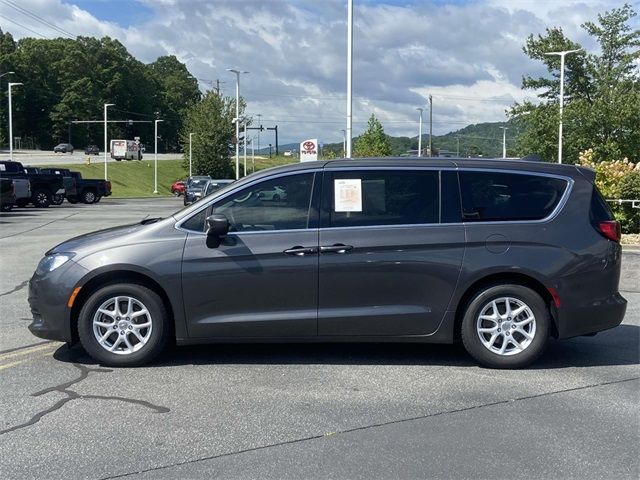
x: 631, y: 248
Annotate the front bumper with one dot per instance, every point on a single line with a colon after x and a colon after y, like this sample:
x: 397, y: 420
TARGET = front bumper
x: 591, y: 317
x: 48, y: 296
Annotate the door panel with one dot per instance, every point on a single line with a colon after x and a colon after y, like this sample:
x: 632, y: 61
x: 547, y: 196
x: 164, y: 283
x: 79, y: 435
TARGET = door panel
x: 248, y: 286
x: 393, y: 279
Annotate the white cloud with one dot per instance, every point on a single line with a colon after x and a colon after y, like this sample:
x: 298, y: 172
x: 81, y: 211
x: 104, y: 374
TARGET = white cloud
x: 468, y: 56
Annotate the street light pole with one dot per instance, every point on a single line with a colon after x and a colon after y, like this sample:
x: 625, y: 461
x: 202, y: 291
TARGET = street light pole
x: 344, y: 142
x: 349, y: 132
x: 504, y: 141
x: 244, y: 148
x: 237, y: 72
x: 259, y: 127
x: 561, y: 55
x: 11, y: 84
x: 106, y: 105
x: 420, y: 134
x: 190, y: 135
x: 155, y: 154
x: 430, y: 125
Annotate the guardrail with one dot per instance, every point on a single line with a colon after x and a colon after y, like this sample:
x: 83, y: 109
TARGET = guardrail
x: 619, y: 201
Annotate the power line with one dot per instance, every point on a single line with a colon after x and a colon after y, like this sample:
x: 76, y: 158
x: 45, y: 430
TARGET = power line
x: 24, y: 27
x: 37, y: 18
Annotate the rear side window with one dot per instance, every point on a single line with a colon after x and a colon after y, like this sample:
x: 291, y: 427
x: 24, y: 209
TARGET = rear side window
x: 599, y: 211
x: 498, y: 196
x: 366, y: 198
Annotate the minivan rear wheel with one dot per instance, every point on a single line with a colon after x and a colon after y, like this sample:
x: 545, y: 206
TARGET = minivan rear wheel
x: 123, y: 325
x: 505, y: 326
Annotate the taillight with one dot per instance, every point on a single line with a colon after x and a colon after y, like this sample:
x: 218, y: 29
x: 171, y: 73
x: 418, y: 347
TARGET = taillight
x: 109, y: 186
x: 610, y: 229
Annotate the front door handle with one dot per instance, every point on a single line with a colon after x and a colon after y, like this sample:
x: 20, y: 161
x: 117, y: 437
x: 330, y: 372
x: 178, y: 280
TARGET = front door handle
x: 337, y: 248
x: 300, y: 251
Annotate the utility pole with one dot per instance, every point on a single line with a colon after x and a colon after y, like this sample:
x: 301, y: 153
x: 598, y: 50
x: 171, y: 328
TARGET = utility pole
x: 237, y: 120
x: 420, y: 133
x: 155, y: 154
x: 458, y: 146
x: 344, y: 142
x: 561, y: 55
x: 504, y: 141
x: 190, y: 135
x: 106, y: 105
x: 430, y: 125
x: 260, y: 129
x: 349, y: 75
x: 244, y: 148
x: 11, y: 84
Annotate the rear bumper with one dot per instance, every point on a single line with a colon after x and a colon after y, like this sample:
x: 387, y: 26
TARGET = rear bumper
x: 591, y: 317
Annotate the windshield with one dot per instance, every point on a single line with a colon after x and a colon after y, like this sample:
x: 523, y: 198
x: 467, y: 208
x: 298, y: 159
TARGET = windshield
x: 198, y: 183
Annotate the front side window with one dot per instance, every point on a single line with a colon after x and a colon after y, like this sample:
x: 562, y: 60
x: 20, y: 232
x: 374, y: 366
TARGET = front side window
x: 279, y: 204
x: 367, y: 198
x: 500, y: 196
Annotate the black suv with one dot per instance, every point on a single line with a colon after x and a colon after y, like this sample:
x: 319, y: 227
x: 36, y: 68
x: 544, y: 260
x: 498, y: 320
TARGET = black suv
x: 500, y: 255
x: 63, y: 148
x: 92, y: 150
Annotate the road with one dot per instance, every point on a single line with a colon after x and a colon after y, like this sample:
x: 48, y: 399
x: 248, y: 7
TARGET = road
x: 39, y: 157
x: 303, y: 411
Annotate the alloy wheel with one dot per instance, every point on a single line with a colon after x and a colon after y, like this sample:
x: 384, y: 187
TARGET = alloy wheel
x: 122, y: 325
x: 506, y: 326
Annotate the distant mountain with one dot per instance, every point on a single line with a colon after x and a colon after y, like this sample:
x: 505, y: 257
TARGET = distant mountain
x: 481, y: 139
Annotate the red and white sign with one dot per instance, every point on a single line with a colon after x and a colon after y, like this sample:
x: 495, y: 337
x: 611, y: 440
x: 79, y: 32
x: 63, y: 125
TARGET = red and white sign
x: 309, y: 150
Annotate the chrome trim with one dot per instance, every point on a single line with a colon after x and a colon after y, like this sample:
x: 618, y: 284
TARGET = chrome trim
x: 178, y: 225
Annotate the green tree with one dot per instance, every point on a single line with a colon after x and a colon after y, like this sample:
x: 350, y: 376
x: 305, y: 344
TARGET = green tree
x: 373, y: 142
x: 602, y: 93
x: 211, y: 122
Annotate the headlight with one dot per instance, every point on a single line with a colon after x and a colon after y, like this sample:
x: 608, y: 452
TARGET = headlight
x: 51, y: 262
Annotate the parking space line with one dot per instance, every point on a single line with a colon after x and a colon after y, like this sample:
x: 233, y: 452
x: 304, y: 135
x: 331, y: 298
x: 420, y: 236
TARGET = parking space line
x: 27, y: 351
x: 18, y: 362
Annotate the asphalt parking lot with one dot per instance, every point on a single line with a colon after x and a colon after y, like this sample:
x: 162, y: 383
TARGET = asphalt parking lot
x: 303, y: 411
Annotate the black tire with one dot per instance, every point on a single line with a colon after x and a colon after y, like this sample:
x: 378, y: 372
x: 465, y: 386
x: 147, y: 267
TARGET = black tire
x: 57, y: 199
x: 276, y: 197
x: 488, y: 358
x: 7, y: 207
x: 98, y: 198
x: 89, y: 196
x: 23, y: 202
x: 72, y: 200
x: 175, y: 193
x: 41, y: 198
x: 158, y: 337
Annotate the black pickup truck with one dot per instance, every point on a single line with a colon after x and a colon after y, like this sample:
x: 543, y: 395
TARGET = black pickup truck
x: 43, y: 187
x: 7, y: 196
x: 78, y: 189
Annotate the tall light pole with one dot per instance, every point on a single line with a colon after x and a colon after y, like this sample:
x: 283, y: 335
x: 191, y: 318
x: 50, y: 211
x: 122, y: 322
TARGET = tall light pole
x: 259, y: 127
x: 244, y: 148
x: 349, y: 76
x: 420, y: 133
x: 237, y: 72
x: 561, y: 55
x: 106, y: 105
x: 155, y: 154
x: 11, y: 84
x: 344, y: 142
x: 190, y: 135
x: 504, y: 141
x: 430, y: 125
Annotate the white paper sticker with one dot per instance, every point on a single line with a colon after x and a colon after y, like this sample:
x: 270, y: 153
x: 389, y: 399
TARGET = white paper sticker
x: 348, y: 195
x: 2, y: 168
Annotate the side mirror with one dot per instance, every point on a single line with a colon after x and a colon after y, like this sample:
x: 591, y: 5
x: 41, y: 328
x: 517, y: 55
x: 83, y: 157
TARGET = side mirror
x: 217, y: 225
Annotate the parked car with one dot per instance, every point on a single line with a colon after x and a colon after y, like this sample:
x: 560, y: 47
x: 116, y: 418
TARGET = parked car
x: 63, y: 148
x: 274, y: 194
x: 214, y: 185
x: 78, y: 189
x: 177, y: 188
x: 500, y: 255
x: 22, y: 191
x: 193, y: 188
x: 7, y: 195
x: 92, y: 150
x: 44, y: 187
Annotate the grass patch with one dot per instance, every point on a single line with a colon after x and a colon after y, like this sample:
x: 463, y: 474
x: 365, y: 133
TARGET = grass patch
x: 133, y: 178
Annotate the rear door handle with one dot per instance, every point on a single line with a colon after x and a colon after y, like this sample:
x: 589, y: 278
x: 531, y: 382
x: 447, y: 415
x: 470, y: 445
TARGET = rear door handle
x: 337, y: 248
x: 300, y: 251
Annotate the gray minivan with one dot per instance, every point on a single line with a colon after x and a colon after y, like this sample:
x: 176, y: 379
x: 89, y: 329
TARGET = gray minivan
x: 500, y: 255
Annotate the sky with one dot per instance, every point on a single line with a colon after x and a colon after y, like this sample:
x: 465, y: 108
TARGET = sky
x: 466, y: 54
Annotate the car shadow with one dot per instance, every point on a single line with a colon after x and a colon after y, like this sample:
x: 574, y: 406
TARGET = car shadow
x: 619, y: 346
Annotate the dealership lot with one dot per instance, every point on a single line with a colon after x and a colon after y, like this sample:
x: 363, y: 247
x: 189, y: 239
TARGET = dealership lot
x: 303, y: 411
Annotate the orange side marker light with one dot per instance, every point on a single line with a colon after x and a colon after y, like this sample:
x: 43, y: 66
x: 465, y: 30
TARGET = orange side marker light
x: 73, y: 296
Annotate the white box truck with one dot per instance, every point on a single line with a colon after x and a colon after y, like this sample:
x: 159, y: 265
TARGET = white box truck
x: 125, y: 150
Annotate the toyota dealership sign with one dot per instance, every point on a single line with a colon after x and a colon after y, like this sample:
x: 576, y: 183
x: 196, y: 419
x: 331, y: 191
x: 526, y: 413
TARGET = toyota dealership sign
x: 309, y: 150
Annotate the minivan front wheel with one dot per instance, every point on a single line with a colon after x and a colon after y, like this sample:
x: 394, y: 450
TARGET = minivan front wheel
x: 505, y: 326
x: 123, y: 325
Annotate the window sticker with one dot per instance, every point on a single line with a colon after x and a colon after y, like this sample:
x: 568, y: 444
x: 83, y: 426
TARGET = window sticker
x: 348, y: 195
x: 3, y: 168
